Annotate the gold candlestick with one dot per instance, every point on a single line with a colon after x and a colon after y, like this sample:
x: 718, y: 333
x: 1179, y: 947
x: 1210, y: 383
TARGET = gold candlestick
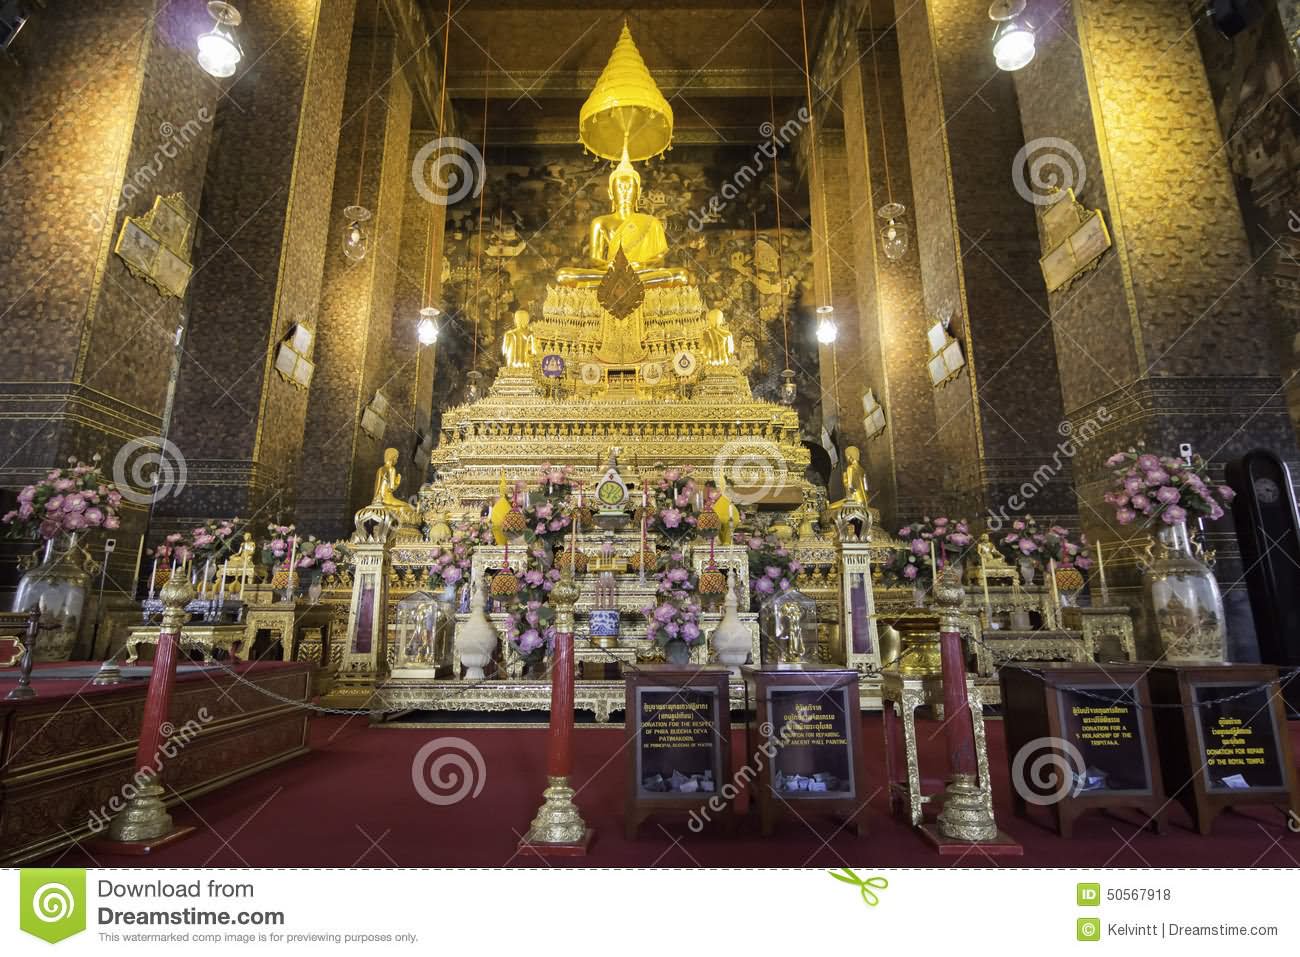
x: 1101, y: 576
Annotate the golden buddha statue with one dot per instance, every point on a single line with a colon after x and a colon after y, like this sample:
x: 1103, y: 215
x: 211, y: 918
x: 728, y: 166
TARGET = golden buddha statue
x: 855, y: 488
x: 387, y: 482
x: 519, y: 345
x: 640, y: 235
x: 719, y: 345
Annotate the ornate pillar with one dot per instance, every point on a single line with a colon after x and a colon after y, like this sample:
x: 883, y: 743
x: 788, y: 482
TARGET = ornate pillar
x: 835, y: 281
x: 999, y: 419
x: 364, y: 658
x: 354, y: 337
x: 261, y: 247
x: 110, y: 111
x: 418, y: 284
x: 901, y: 463
x: 1165, y: 336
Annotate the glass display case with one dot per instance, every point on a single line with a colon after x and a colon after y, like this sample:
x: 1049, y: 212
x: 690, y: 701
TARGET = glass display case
x: 788, y: 626
x: 423, y: 635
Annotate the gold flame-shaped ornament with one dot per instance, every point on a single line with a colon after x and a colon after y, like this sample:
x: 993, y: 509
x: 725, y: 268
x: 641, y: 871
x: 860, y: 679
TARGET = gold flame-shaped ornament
x: 626, y: 111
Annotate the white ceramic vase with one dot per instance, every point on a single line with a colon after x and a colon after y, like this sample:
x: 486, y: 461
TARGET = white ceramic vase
x: 731, y: 639
x: 477, y: 639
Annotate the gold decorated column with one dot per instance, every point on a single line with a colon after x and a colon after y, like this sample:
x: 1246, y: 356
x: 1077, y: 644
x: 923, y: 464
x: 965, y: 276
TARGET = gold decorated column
x: 1166, y: 340
x: 356, y: 354
x: 1000, y: 418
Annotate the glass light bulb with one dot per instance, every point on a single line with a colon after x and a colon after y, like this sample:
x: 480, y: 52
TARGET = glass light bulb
x: 219, y: 54
x: 827, y: 331
x: 355, y: 242
x: 426, y: 329
x: 894, y: 240
x: 1013, y: 45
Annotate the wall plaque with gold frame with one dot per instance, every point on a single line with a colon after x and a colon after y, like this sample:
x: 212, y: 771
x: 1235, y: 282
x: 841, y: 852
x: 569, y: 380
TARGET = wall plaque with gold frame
x: 154, y: 246
x: 1075, y: 238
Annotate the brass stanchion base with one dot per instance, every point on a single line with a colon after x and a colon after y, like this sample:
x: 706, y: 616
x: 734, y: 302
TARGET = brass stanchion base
x: 142, y: 826
x: 558, y: 829
x: 966, y: 824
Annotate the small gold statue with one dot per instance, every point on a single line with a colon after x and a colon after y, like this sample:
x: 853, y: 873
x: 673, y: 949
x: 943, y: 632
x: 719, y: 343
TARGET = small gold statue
x: 640, y: 235
x: 519, y: 346
x: 855, y: 487
x: 792, y: 621
x: 719, y: 345
x: 497, y: 514
x: 242, y: 565
x: 387, y: 482
x: 728, y: 514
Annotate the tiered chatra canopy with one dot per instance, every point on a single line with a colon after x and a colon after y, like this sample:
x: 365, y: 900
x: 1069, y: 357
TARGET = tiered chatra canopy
x: 626, y: 111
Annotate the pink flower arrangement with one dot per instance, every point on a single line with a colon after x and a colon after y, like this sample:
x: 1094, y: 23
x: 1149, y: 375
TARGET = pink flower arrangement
x: 1026, y: 540
x: 1150, y: 487
x: 278, y: 544
x: 911, y: 565
x: 76, y: 498
x: 675, y: 616
x: 772, y: 569
x: 676, y: 502
x: 530, y: 626
x: 174, y: 548
x: 215, y: 539
x: 556, y: 481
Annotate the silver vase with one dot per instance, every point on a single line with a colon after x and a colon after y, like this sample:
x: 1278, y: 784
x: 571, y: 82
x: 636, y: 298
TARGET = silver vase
x: 1181, y: 600
x: 57, y: 586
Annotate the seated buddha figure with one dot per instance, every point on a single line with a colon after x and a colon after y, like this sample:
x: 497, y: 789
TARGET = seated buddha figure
x: 387, y: 481
x: 640, y: 235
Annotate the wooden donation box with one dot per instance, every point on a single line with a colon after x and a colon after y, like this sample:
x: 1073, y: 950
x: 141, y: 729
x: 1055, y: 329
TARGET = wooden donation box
x: 679, y: 752
x: 1223, y: 738
x: 806, y: 743
x: 1081, y: 738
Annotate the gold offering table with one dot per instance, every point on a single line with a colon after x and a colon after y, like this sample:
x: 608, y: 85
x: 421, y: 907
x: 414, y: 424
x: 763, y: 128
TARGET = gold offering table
x: 200, y: 636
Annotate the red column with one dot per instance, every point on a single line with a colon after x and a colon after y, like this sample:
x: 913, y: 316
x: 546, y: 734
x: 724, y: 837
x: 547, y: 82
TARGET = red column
x: 559, y: 758
x: 956, y: 704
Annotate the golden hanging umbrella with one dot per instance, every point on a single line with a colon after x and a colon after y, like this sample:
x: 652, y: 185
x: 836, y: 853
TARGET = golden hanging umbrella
x: 625, y: 110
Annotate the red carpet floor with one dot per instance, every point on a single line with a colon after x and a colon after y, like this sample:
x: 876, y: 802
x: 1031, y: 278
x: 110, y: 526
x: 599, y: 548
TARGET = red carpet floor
x: 352, y: 803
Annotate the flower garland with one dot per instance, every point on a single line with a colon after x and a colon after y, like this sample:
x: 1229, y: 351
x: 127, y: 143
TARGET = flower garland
x: 676, y: 614
x: 1152, y: 486
x: 76, y: 498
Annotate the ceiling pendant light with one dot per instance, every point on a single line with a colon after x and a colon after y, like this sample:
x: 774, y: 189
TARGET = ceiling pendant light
x: 893, y: 234
x: 1013, y: 38
x: 827, y: 330
x: 426, y: 329
x: 219, y: 52
x: 356, y: 240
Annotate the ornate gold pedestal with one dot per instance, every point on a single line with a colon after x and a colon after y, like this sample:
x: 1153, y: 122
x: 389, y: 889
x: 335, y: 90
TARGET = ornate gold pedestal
x: 558, y: 821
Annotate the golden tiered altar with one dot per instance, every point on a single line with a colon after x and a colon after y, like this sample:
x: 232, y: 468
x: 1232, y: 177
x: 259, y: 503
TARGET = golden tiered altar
x: 627, y: 375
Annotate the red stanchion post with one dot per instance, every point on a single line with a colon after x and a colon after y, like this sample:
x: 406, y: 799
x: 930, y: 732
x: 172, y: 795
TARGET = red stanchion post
x: 144, y: 823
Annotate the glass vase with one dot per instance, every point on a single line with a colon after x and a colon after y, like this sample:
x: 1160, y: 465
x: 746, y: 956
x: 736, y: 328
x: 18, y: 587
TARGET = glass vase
x: 57, y: 586
x: 1181, y: 599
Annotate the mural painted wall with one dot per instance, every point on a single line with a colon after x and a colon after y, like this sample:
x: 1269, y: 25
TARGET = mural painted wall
x: 1253, y: 80
x: 536, y: 208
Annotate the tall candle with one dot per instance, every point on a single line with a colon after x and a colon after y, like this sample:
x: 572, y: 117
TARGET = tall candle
x: 1101, y: 575
x: 153, y: 576
x: 988, y: 602
x: 934, y: 566
x: 207, y: 571
x: 1051, y: 571
x: 293, y: 560
x: 222, y: 594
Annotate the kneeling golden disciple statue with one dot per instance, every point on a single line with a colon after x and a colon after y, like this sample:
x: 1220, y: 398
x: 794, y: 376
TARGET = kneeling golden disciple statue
x: 387, y: 481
